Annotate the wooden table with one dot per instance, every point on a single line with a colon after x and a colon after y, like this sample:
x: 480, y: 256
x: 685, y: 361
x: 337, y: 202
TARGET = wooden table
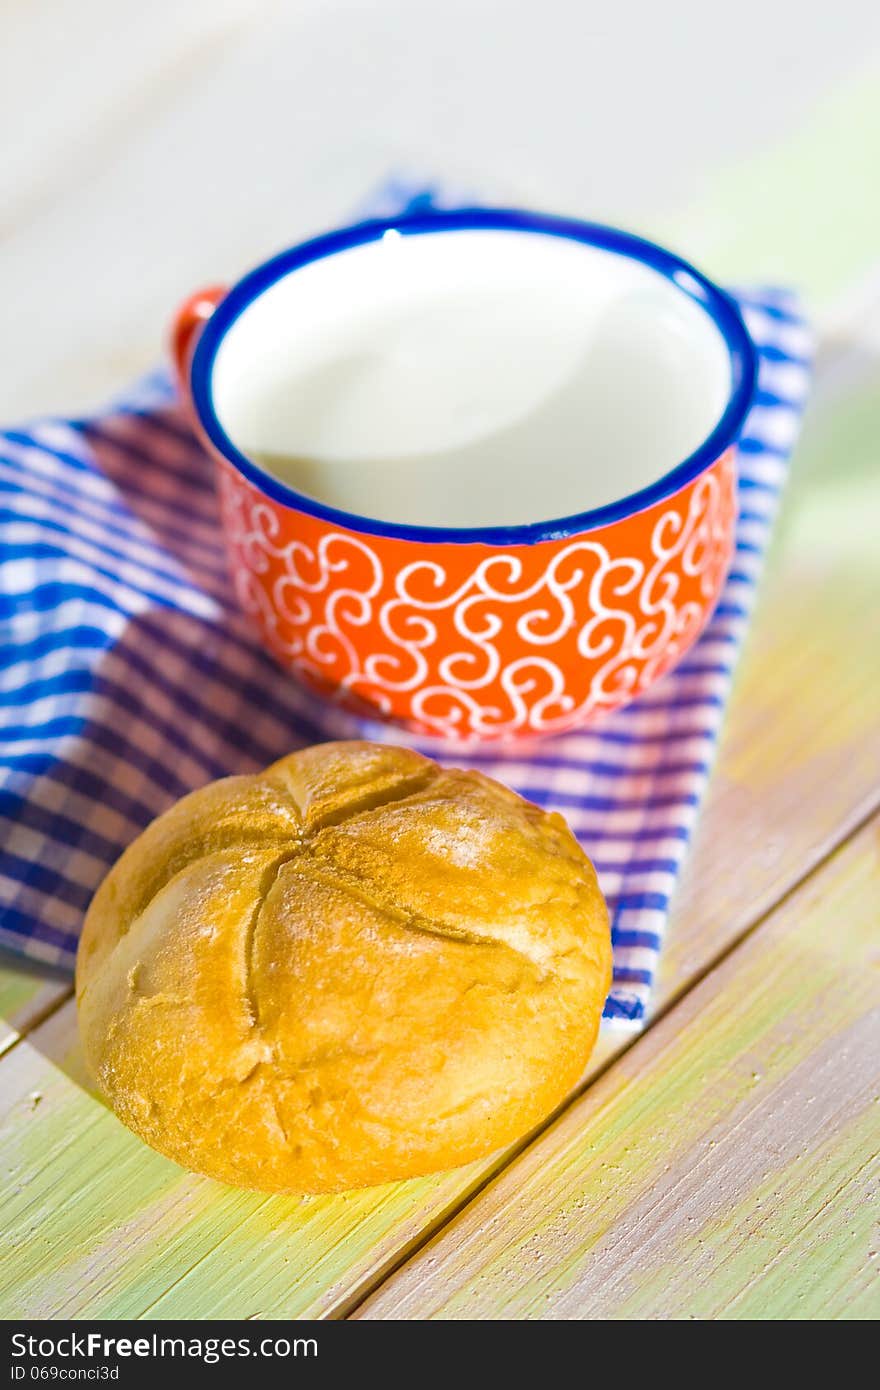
x: 724, y: 1164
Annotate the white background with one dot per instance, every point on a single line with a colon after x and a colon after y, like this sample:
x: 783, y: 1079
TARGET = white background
x: 150, y: 148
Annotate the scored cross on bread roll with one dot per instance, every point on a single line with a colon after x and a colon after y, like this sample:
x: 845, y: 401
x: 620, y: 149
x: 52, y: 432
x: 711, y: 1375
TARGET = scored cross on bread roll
x: 350, y: 968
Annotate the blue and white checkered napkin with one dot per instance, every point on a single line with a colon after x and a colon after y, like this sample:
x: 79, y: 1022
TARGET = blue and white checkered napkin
x: 129, y: 677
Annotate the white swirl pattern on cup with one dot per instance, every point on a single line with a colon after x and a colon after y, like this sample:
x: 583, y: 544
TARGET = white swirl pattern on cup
x: 312, y: 612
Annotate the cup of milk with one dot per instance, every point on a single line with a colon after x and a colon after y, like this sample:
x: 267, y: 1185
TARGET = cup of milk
x: 476, y: 467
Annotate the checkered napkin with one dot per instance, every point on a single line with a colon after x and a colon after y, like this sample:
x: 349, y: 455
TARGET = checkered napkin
x: 128, y: 676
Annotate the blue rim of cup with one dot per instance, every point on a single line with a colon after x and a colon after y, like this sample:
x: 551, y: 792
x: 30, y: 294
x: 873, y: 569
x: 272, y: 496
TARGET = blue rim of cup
x: 689, y: 281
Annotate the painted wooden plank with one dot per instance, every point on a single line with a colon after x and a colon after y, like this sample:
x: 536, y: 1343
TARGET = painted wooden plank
x: 724, y: 1167
x: 98, y: 1225
x: 103, y: 1227
x: 26, y: 998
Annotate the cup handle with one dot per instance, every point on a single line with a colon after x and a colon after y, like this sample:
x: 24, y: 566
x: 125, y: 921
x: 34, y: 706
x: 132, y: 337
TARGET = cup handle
x: 188, y: 321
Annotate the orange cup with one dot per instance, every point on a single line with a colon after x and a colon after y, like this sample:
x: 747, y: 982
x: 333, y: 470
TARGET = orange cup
x: 500, y: 632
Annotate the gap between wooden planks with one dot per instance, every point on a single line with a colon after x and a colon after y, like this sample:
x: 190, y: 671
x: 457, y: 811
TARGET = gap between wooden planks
x: 27, y: 998
x: 103, y: 1227
x: 724, y: 1167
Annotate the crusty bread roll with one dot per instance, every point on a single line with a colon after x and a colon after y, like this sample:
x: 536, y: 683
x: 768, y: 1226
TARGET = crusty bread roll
x: 350, y: 968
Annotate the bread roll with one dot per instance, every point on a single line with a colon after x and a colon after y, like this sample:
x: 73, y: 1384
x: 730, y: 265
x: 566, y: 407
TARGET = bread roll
x: 350, y: 968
